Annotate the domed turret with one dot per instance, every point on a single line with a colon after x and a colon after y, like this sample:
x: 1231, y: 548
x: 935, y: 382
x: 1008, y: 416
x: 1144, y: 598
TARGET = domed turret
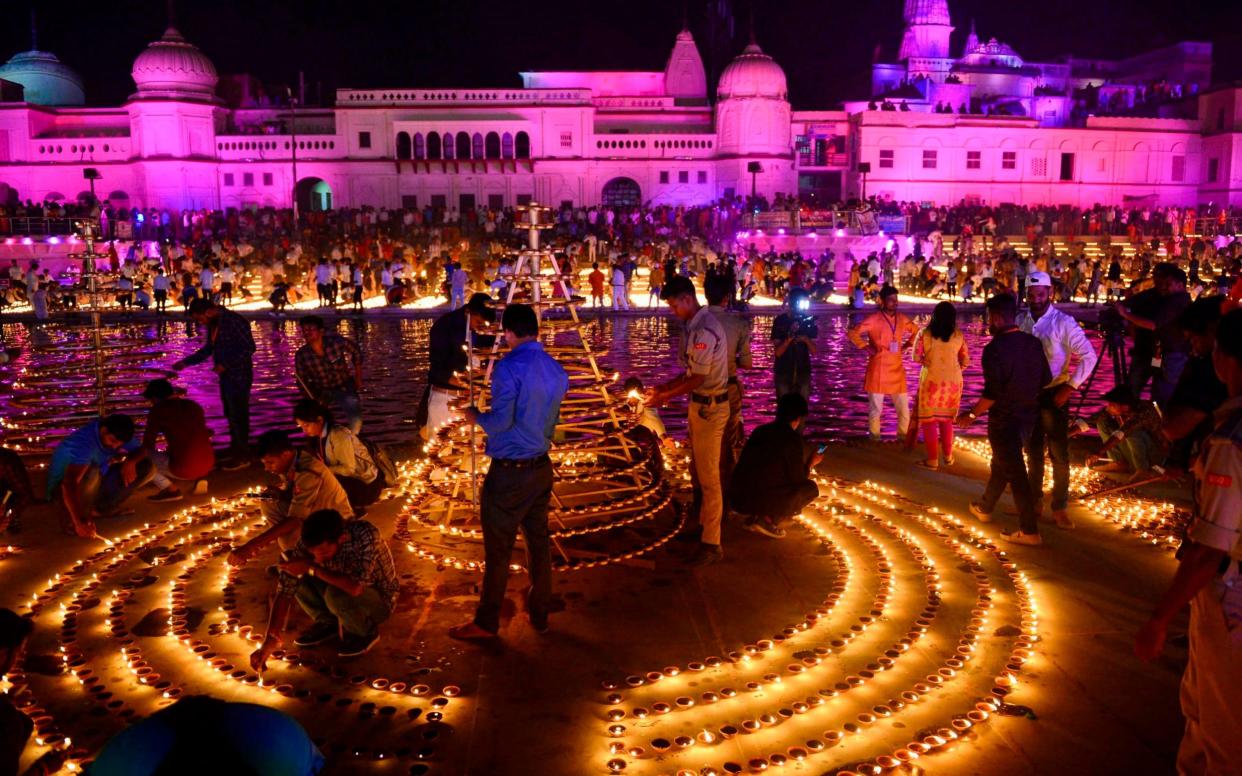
x: 47, y: 80
x: 752, y: 74
x: 172, y: 67
x: 44, y: 78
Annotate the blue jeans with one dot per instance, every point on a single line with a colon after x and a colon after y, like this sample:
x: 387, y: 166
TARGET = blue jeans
x: 107, y: 493
x: 1007, y: 438
x: 348, y: 402
x: 793, y: 383
x: 1164, y: 379
x: 235, y: 402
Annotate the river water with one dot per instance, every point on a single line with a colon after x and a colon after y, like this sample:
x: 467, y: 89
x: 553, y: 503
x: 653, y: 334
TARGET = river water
x: 46, y: 391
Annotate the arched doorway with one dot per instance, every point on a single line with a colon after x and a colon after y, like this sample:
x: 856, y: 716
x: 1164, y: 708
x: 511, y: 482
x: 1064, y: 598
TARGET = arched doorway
x: 403, y: 145
x: 313, y: 194
x: 622, y: 192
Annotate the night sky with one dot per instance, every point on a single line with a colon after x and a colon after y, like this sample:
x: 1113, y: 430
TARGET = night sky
x: 825, y: 47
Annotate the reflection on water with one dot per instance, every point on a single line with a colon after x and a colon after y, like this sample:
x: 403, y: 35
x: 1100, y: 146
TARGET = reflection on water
x: 47, y: 389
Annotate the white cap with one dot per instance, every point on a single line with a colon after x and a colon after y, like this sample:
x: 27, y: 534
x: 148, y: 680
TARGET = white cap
x: 1037, y: 279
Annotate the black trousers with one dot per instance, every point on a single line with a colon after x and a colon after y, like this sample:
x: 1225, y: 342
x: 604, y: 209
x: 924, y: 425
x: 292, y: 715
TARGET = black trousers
x: 235, y: 403
x: 361, y: 494
x: 777, y: 503
x: 1008, y: 438
x: 515, y: 498
x: 1051, y: 431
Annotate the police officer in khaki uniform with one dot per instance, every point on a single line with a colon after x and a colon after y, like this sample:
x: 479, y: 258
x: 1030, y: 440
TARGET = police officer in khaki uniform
x: 717, y: 289
x: 1209, y: 577
x: 706, y: 354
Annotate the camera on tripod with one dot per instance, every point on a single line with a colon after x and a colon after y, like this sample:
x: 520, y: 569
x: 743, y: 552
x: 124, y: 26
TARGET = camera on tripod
x: 1112, y: 325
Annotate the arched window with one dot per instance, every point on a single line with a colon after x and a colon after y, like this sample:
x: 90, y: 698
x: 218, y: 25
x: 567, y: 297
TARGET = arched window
x: 403, y: 145
x: 476, y: 146
x: 463, y: 145
x: 621, y: 192
x: 433, y: 145
x: 420, y: 146
x: 522, y: 145
x: 492, y: 146
x: 506, y: 146
x: 448, y: 146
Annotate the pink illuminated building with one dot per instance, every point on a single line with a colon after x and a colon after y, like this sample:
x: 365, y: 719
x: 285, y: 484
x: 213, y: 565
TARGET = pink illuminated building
x: 973, y: 121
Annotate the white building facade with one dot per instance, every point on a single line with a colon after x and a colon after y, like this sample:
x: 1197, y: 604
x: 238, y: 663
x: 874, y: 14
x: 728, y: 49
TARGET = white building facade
x: 1013, y: 131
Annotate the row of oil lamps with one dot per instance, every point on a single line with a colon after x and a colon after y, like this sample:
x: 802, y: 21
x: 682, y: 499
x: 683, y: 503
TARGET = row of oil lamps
x: 836, y: 526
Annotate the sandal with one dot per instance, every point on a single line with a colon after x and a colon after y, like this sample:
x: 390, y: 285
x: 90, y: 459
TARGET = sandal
x: 929, y: 465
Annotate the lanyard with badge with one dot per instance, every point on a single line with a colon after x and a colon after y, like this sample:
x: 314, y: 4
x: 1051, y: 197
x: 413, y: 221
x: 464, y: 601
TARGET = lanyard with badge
x: 895, y: 345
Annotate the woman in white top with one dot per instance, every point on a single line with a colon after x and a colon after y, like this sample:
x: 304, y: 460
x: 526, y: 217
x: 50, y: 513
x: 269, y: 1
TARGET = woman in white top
x: 342, y: 452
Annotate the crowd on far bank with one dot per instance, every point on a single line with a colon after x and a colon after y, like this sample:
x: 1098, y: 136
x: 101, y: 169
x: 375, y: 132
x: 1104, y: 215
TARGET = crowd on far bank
x: 355, y: 259
x: 1175, y: 410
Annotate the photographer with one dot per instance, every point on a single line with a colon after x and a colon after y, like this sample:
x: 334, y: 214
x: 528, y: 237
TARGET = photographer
x: 794, y: 333
x: 1172, y: 348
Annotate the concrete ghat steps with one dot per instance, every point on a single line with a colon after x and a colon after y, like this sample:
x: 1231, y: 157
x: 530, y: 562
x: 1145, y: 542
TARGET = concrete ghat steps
x: 1093, y: 248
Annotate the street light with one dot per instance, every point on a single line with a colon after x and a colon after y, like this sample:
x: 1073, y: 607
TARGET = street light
x: 293, y: 146
x: 754, y: 168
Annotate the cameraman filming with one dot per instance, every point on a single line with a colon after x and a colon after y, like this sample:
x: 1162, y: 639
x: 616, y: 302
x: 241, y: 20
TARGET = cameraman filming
x: 1172, y: 347
x: 794, y: 332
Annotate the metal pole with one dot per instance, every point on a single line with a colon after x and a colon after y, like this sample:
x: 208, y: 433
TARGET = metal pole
x: 293, y: 147
x: 89, y: 270
x: 474, y: 456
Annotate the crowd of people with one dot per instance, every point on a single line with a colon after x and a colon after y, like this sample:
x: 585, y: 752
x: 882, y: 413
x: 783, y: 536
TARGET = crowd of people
x: 351, y: 259
x: 1174, y: 411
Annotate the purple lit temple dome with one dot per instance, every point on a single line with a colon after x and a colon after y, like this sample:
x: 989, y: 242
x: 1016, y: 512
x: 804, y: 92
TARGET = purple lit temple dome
x: 752, y: 74
x: 172, y: 67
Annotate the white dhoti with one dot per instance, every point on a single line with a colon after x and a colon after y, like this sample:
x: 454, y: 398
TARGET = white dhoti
x: 438, y: 410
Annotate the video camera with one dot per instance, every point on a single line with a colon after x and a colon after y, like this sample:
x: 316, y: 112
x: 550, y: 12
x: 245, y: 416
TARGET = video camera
x: 1111, y: 324
x: 803, y: 324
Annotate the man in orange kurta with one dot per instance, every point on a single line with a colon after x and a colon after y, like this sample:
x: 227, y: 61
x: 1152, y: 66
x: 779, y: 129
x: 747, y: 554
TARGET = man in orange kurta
x: 886, y: 334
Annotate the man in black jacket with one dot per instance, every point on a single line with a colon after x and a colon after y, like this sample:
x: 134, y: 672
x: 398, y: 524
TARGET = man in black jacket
x: 447, y: 359
x: 1015, y: 370
x: 771, y: 481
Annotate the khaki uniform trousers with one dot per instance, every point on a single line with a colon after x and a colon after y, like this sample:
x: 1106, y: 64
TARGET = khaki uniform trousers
x: 707, y: 430
x: 1211, y: 693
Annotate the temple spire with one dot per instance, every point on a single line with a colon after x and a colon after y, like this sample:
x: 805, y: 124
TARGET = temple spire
x: 972, y: 40
x: 171, y: 11
x: 34, y: 30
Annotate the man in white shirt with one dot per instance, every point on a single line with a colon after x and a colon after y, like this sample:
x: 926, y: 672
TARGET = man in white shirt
x: 1064, y: 341
x: 619, y: 299
x: 161, y: 285
x: 227, y: 278
x: 207, y: 283
x: 324, y: 275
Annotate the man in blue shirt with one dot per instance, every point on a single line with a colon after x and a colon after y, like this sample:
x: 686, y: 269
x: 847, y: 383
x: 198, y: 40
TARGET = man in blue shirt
x: 527, y: 388
x: 96, y: 469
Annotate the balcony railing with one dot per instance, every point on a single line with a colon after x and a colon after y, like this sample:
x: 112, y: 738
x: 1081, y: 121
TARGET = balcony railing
x: 36, y: 227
